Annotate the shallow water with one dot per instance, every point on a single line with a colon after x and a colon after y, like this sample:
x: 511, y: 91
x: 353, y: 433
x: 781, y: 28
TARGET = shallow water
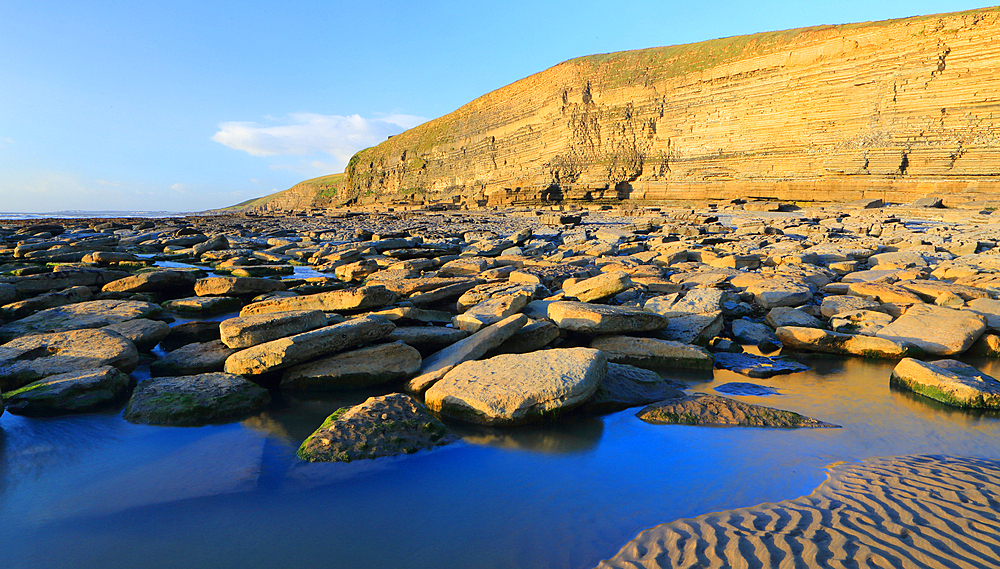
x: 95, y: 491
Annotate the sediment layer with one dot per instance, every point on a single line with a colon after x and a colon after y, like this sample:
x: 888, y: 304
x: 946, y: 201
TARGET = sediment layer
x: 893, y: 110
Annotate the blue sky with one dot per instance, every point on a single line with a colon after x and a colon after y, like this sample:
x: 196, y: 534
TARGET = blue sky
x: 186, y: 106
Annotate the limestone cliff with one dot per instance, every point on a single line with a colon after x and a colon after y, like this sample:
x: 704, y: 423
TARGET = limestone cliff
x: 896, y: 110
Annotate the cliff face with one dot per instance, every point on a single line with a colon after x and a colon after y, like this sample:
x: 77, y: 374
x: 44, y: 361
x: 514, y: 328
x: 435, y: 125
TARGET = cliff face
x: 895, y: 110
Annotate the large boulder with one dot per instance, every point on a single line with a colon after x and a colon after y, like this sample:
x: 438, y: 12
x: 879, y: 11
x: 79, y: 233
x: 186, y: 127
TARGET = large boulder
x: 816, y: 340
x: 935, y: 329
x: 773, y: 292
x: 90, y: 314
x: 144, y: 333
x: 194, y: 400
x: 286, y: 352
x: 203, y: 305
x: 694, y: 328
x: 786, y: 316
x: 32, y: 358
x: 381, y: 426
x: 491, y: 311
x: 513, y: 389
x: 355, y: 369
x: 71, y: 392
x: 702, y: 409
x: 603, y: 319
x: 651, y: 353
x: 28, y: 306
x: 246, y: 331
x: 948, y: 381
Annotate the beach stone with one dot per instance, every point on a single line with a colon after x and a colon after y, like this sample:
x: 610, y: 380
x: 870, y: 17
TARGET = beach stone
x: 28, y: 306
x: 988, y: 345
x: 246, y: 331
x: 602, y: 286
x: 72, y: 392
x: 936, y: 330
x: 513, y: 389
x: 703, y: 409
x: 381, y: 426
x: 948, y: 381
x: 362, y: 298
x: 929, y: 290
x: 194, y: 400
x: 427, y: 339
x: 533, y: 336
x: 203, y: 304
x: 473, y: 347
x: 630, y: 386
x: 8, y: 293
x: 189, y: 333
x: 192, y: 359
x: 31, y: 358
x: 694, y: 328
x: 236, y: 286
x: 356, y: 271
x: 773, y: 292
x: 155, y: 281
x: 865, y: 322
x: 259, y: 271
x: 89, y: 314
x: 757, y: 366
x: 491, y: 311
x: 883, y: 292
x: 838, y: 304
x: 603, y: 319
x: 786, y: 316
x: 63, y: 278
x: 816, y: 340
x: 950, y: 300
x: 291, y: 350
x: 355, y: 369
x: 651, y: 353
x: 144, y: 333
x: 407, y: 287
x: 480, y: 293
x: 988, y: 309
x: 754, y: 333
x: 746, y: 389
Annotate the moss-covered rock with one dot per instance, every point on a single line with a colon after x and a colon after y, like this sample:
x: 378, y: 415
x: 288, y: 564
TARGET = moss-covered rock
x: 948, y: 381
x: 73, y: 392
x: 194, y: 400
x: 381, y: 426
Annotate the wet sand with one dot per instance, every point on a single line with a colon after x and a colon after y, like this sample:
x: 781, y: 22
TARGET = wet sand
x: 915, y: 511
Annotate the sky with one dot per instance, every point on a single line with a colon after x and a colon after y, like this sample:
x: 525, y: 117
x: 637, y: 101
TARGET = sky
x: 186, y: 106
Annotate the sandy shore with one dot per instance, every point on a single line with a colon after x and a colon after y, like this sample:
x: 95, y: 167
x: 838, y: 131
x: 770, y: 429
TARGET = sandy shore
x: 916, y: 511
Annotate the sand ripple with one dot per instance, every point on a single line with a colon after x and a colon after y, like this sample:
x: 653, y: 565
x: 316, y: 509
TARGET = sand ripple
x: 915, y: 511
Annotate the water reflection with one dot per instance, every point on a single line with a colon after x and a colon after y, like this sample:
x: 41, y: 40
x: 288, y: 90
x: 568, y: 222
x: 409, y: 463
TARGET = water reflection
x: 293, y: 415
x: 573, y: 433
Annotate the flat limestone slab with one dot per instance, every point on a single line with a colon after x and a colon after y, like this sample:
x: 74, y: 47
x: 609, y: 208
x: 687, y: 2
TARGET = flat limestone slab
x: 474, y: 347
x: 35, y: 357
x: 246, y: 331
x: 89, y: 314
x: 236, y: 286
x: 303, y: 347
x: 948, y: 381
x: 702, y: 409
x: 937, y: 330
x: 363, y: 298
x: 603, y: 319
x: 816, y: 340
x: 513, y: 389
x: 651, y: 353
x: 355, y: 369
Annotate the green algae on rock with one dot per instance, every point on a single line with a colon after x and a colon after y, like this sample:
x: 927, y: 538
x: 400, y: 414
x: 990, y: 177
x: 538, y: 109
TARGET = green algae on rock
x: 381, y: 426
x: 72, y: 392
x: 948, y: 381
x: 194, y: 400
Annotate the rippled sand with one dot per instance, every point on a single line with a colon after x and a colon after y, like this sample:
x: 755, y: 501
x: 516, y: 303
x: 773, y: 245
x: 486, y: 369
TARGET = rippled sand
x: 916, y: 511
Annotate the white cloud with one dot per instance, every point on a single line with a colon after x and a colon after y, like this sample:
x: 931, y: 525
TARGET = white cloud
x: 5, y: 141
x: 309, y: 134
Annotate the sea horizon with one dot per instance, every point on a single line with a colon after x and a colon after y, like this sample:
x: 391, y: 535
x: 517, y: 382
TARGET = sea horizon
x: 95, y: 214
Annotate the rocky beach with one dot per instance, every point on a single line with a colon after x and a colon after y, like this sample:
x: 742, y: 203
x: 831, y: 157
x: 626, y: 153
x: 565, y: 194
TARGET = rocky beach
x: 460, y: 326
